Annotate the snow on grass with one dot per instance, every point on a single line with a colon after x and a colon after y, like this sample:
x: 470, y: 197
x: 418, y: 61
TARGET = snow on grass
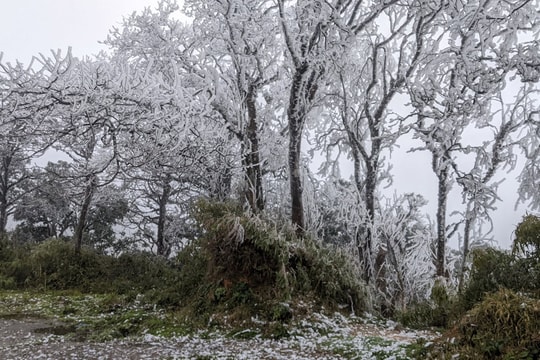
x: 317, y: 336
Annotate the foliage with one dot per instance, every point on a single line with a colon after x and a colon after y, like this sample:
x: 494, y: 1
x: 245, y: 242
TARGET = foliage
x: 44, y: 212
x: 246, y: 252
x: 493, y: 269
x: 503, y: 326
x: 435, y: 313
x: 527, y: 242
x: 54, y: 265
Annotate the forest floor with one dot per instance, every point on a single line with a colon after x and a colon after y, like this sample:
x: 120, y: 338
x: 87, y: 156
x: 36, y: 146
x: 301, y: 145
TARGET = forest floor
x: 29, y: 329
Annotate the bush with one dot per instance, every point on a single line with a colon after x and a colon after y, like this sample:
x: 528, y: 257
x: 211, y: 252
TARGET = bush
x: 54, y: 265
x: 494, y: 269
x: 436, y: 313
x: 503, y: 326
x: 527, y: 242
x: 272, y: 262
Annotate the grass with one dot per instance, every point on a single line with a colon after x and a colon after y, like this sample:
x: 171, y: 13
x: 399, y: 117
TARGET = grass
x: 96, y: 317
x: 104, y: 317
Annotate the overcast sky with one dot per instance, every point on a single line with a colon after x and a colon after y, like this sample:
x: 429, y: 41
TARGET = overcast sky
x: 30, y: 27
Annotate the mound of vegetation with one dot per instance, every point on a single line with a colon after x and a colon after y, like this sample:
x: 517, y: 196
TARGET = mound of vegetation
x: 502, y: 326
x: 252, y: 262
x: 497, y: 315
x: 494, y: 269
x: 242, y: 266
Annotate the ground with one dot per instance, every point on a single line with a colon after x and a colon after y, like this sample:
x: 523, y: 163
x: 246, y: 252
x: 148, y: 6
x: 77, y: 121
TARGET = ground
x: 23, y: 335
x: 27, y: 338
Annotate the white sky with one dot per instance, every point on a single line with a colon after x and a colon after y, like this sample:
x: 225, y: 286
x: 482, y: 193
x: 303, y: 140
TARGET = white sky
x: 30, y: 27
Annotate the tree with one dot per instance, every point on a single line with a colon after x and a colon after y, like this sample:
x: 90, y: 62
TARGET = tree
x: 529, y: 182
x: 23, y: 110
x: 46, y: 211
x: 314, y: 32
x: 362, y: 103
x: 244, y: 60
x: 96, y: 104
x: 162, y: 182
x: 226, y: 55
x: 405, y: 271
x: 455, y: 85
x: 499, y: 153
x: 14, y: 174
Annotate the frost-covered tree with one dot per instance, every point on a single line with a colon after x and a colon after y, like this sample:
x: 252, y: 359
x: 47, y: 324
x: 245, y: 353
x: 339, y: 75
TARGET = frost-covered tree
x: 14, y: 173
x: 404, y: 263
x: 167, y: 169
x: 454, y: 85
x: 46, y: 211
x: 24, y: 106
x: 529, y: 182
x: 315, y: 33
x: 500, y: 153
x: 229, y: 56
x: 243, y: 61
x: 98, y: 105
x: 363, y: 98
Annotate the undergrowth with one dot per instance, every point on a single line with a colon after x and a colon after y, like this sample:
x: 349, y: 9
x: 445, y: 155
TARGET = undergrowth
x: 253, y: 261
x: 243, y: 267
x: 502, y: 326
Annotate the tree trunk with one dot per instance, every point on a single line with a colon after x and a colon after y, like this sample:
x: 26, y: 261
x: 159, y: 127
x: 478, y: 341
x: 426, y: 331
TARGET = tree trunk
x: 370, y: 187
x: 466, y: 243
x: 303, y: 90
x: 81, y: 223
x: 4, y: 189
x: 442, y: 197
x: 295, y: 180
x: 251, y: 159
x: 162, y: 248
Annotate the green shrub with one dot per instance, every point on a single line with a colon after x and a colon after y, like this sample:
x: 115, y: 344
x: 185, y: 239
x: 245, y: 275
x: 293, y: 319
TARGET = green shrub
x: 494, y: 269
x: 140, y: 271
x: 527, y: 241
x: 437, y: 313
x: 418, y: 316
x: 246, y: 250
x: 7, y: 283
x: 6, y: 249
x: 281, y: 312
x: 503, y: 326
x: 54, y: 265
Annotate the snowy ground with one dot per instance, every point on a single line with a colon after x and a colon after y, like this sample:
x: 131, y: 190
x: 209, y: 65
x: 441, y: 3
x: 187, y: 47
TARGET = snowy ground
x: 321, y: 338
x: 37, y: 327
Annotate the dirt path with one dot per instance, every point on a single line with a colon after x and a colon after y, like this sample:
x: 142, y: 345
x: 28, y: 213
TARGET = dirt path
x: 33, y: 338
x: 30, y: 339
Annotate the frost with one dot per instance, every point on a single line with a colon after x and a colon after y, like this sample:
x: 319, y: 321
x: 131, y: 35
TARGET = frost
x: 319, y: 337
